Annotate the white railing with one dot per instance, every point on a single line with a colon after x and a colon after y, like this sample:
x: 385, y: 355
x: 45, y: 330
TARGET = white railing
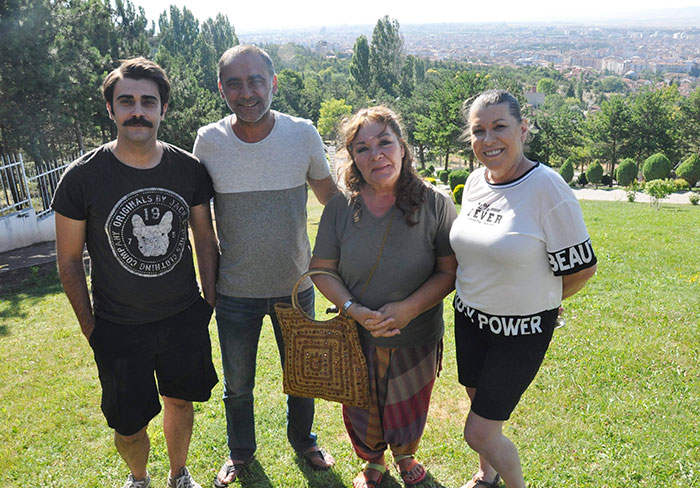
x: 13, y: 184
x: 18, y: 191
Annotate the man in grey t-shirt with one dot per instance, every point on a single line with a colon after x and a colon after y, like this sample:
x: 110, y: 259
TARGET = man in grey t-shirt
x: 260, y: 162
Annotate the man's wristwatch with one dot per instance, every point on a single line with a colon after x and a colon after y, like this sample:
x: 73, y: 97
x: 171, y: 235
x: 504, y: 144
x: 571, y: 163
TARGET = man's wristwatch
x: 348, y: 304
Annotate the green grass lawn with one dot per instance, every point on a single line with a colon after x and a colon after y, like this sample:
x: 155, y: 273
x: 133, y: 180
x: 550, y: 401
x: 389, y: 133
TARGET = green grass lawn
x: 616, y: 403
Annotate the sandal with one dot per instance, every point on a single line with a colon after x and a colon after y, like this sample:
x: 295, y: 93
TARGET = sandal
x: 494, y: 484
x: 405, y: 473
x: 371, y: 483
x: 312, y: 457
x: 225, y: 471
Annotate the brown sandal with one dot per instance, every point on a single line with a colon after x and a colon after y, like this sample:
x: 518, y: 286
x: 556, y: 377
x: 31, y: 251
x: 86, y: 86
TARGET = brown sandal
x: 406, y: 472
x: 312, y: 455
x: 368, y: 482
x: 226, y: 470
x: 493, y: 484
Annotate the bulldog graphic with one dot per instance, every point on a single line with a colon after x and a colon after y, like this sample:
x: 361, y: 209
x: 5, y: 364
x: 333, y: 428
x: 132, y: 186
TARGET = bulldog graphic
x: 153, y: 239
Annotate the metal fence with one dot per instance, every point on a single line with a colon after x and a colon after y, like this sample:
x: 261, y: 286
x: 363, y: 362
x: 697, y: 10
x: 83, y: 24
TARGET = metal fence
x: 23, y: 186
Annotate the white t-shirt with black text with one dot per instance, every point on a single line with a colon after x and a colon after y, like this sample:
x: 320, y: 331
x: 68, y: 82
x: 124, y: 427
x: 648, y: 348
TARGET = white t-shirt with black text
x: 515, y: 240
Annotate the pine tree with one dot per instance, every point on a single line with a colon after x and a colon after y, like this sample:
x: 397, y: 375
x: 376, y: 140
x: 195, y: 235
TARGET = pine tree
x: 386, y: 56
x: 359, y: 64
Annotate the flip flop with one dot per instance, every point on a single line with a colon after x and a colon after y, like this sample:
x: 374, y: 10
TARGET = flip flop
x: 225, y: 471
x: 493, y: 484
x: 406, y: 472
x: 309, y: 456
x: 371, y: 483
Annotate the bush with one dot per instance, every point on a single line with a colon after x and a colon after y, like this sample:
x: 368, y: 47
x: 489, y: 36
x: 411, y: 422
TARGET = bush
x: 457, y: 177
x: 582, y: 180
x: 626, y: 172
x: 457, y: 193
x: 443, y: 174
x: 430, y: 180
x: 693, y: 198
x: 681, y: 185
x: 567, y: 171
x: 689, y: 170
x: 424, y: 172
x: 606, y: 180
x: 431, y: 168
x: 632, y: 189
x: 594, y: 173
x: 656, y: 167
x: 658, y: 190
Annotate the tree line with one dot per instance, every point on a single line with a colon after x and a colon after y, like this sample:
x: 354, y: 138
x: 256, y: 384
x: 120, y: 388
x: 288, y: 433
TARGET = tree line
x: 55, y: 54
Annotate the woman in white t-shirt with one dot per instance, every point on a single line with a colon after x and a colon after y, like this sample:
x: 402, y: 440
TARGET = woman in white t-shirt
x: 522, y: 247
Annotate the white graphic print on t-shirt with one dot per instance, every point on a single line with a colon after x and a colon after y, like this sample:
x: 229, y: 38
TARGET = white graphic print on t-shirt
x: 147, y: 231
x: 152, y: 239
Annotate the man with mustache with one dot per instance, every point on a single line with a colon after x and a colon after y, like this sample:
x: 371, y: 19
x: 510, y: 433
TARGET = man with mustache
x: 132, y: 201
x: 260, y: 161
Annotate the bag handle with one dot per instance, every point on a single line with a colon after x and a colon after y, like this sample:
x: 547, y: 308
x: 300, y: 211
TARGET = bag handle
x: 311, y: 272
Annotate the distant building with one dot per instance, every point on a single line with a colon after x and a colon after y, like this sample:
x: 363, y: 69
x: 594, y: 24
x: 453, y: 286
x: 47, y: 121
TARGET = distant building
x: 685, y: 67
x: 614, y: 65
x: 534, y: 98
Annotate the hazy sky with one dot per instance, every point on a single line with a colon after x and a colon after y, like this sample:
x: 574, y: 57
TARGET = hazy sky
x: 247, y: 15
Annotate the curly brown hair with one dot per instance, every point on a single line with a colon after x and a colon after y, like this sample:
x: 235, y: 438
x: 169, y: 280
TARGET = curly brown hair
x: 410, y: 189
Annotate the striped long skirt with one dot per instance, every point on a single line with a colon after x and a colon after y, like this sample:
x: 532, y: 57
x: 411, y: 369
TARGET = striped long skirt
x: 400, y: 384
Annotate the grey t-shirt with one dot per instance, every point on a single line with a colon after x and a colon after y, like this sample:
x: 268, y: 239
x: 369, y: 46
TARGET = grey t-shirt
x: 407, y: 261
x: 260, y: 203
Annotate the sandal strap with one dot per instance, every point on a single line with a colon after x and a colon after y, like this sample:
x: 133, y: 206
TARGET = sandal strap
x: 377, y: 467
x: 400, y: 457
x: 492, y: 484
x: 234, y: 468
x: 317, y: 453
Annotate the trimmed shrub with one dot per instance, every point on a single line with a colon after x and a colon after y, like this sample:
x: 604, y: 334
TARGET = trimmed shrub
x: 658, y: 190
x: 424, y: 172
x: 689, y: 170
x: 656, y: 167
x: 606, y: 180
x: 430, y: 180
x: 594, y: 173
x: 567, y: 171
x: 693, y: 198
x: 457, y: 177
x: 457, y: 193
x: 681, y: 185
x: 431, y: 168
x: 626, y: 172
x: 582, y: 180
x: 443, y: 174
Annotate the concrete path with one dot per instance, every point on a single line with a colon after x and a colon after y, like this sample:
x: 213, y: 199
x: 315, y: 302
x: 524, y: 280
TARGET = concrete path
x: 24, y: 257
x: 621, y: 196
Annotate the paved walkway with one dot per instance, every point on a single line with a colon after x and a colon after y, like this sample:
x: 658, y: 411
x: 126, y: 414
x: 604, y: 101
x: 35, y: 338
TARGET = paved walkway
x: 621, y: 196
x: 25, y: 257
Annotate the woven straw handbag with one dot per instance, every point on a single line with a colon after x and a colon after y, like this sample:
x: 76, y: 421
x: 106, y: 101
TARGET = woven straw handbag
x: 323, y: 359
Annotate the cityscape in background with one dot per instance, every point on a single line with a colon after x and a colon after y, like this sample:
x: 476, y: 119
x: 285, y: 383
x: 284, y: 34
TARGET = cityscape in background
x: 670, y: 51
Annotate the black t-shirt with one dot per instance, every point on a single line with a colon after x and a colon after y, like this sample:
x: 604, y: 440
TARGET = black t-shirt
x: 137, y: 230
